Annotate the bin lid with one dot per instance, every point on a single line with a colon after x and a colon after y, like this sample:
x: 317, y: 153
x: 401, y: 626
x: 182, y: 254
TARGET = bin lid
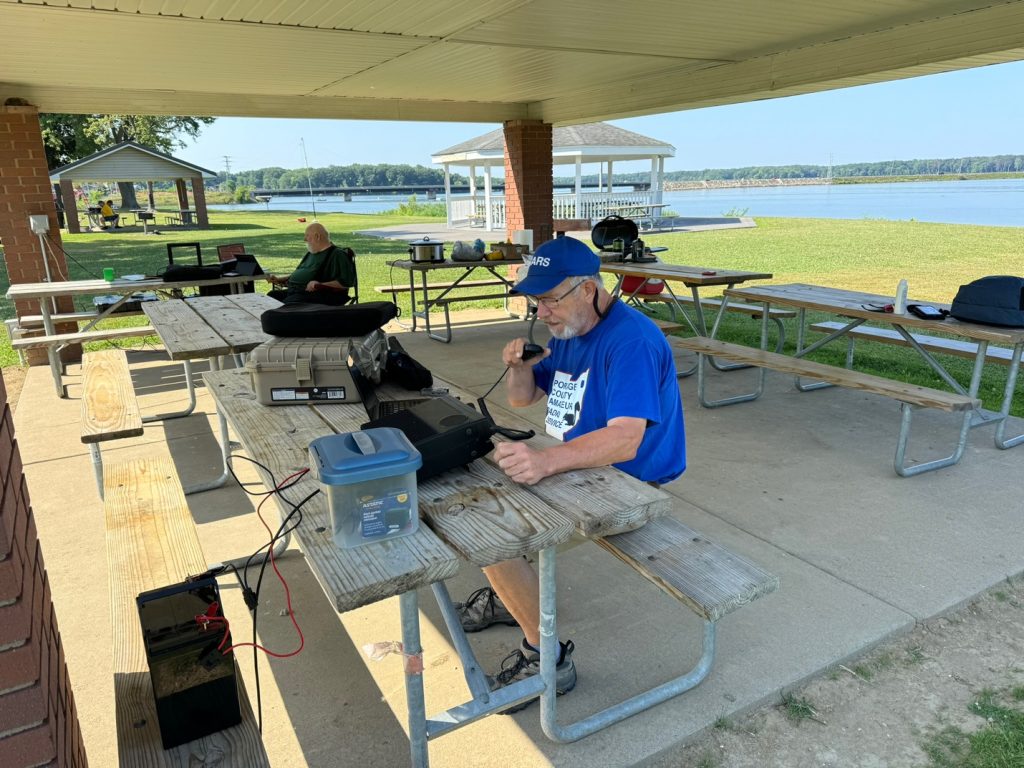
x: 352, y: 457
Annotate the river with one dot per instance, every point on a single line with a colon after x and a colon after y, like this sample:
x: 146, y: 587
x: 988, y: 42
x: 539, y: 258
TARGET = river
x: 997, y: 202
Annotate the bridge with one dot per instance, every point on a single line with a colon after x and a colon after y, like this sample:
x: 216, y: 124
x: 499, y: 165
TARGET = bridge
x: 430, y: 190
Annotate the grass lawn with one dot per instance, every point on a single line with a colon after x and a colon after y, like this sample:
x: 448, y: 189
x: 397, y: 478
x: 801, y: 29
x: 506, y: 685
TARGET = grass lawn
x: 868, y: 255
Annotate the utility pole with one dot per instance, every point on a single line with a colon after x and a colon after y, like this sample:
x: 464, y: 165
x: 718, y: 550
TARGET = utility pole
x: 227, y: 167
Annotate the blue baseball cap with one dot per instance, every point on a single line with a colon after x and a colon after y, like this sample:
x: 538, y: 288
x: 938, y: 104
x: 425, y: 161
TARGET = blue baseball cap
x: 554, y: 261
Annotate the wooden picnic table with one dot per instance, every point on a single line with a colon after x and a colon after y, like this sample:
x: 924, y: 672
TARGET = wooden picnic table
x: 420, y: 295
x: 209, y: 327
x: 691, y: 277
x: 860, y: 307
x: 474, y: 513
x: 45, y: 293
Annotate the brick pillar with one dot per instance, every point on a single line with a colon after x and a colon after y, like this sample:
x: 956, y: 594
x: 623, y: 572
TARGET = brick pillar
x: 199, y: 197
x: 67, y: 194
x: 528, y: 179
x: 38, y: 719
x: 24, y: 191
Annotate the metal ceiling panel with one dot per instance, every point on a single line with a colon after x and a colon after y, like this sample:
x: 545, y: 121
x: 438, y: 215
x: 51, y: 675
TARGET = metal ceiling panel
x: 186, y: 54
x: 563, y: 61
x: 457, y: 71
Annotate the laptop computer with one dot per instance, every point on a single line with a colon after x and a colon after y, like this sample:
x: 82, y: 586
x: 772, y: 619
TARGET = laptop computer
x: 246, y: 264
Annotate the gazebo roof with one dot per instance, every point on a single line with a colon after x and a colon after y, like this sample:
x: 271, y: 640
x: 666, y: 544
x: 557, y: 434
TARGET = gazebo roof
x: 129, y: 161
x: 591, y: 142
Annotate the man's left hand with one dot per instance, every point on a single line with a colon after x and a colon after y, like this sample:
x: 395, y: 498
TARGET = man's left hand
x: 312, y: 285
x: 521, y: 462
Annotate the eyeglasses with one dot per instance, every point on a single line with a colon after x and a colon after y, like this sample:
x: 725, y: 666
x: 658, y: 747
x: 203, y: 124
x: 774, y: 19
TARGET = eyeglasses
x: 550, y: 302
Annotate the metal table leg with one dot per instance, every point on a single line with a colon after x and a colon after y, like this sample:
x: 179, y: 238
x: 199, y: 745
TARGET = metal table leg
x: 225, y: 449
x: 187, y: 365
x: 51, y: 350
x: 618, y: 712
x: 413, y: 658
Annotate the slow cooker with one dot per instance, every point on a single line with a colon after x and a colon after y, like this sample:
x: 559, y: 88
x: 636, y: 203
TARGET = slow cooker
x: 426, y: 250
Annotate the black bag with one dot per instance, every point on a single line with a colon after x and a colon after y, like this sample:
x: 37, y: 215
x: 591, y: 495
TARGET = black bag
x: 181, y: 273
x: 403, y: 370
x: 314, y: 320
x: 612, y: 228
x: 994, y: 300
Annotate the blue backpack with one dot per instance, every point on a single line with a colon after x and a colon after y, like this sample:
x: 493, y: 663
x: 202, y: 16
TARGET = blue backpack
x: 995, y: 300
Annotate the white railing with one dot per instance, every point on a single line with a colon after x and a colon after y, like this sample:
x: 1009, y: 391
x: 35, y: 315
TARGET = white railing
x: 465, y: 212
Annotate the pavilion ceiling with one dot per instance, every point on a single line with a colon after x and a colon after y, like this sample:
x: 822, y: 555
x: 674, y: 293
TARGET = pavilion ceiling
x: 562, y: 61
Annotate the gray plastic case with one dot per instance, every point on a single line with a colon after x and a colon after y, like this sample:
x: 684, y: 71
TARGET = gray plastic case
x: 300, y: 371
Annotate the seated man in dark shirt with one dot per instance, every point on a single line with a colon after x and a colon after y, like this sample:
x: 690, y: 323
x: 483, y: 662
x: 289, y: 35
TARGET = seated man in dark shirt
x: 324, y: 276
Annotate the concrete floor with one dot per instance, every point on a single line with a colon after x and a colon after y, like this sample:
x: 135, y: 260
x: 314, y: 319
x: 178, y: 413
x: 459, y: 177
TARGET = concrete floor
x: 801, y: 484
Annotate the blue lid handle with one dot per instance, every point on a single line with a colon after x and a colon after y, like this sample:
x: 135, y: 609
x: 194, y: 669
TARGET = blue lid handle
x: 364, y: 443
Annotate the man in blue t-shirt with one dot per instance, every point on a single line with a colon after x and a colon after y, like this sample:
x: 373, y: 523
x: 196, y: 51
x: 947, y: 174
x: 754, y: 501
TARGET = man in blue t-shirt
x: 612, y: 399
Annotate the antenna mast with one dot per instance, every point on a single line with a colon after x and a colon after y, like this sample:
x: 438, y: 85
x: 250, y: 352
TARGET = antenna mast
x: 309, y: 178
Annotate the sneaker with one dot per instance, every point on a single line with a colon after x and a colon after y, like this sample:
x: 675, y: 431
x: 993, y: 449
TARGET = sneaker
x: 525, y: 662
x: 484, y: 609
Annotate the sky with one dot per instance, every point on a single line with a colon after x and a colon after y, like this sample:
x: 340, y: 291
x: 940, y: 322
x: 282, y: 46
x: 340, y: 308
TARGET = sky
x: 956, y: 114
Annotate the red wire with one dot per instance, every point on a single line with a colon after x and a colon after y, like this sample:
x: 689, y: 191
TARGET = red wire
x: 287, y: 591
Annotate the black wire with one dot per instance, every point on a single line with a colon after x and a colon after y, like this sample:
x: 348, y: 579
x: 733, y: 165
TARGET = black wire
x: 242, y: 575
x: 281, y: 531
x: 59, y: 247
x: 484, y: 397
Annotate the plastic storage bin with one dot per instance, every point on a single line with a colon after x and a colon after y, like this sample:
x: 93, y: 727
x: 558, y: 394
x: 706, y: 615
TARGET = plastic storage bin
x: 369, y: 478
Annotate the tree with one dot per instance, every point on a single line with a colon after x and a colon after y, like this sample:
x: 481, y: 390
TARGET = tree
x: 71, y: 137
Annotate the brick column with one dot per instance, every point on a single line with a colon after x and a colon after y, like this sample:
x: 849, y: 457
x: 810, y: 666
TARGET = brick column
x: 199, y: 198
x: 38, y: 718
x: 25, y: 191
x: 67, y: 194
x: 528, y: 179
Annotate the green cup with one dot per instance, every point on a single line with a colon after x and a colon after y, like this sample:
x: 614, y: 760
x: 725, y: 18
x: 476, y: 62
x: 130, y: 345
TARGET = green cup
x: 108, y: 274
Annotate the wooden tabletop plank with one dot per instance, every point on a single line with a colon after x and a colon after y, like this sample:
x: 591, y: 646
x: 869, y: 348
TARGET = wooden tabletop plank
x: 152, y: 542
x: 99, y: 287
x: 488, y: 518
x: 279, y: 436
x: 233, y: 323
x: 856, y: 304
x: 109, y: 407
x: 684, y: 274
x: 186, y: 336
x: 599, y: 501
x: 253, y: 303
x: 429, y: 266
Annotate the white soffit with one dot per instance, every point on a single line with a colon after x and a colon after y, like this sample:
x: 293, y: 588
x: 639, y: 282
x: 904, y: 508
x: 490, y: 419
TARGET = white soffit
x: 562, y: 61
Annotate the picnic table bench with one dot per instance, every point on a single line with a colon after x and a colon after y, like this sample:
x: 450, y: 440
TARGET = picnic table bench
x: 110, y: 410
x: 955, y: 347
x: 910, y: 396
x: 151, y: 543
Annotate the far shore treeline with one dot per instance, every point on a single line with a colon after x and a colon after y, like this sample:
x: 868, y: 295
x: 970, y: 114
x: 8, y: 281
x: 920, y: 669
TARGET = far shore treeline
x: 386, y: 174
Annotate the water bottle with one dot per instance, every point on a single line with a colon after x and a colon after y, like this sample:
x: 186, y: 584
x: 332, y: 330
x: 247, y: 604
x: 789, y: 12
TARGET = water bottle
x: 900, y: 305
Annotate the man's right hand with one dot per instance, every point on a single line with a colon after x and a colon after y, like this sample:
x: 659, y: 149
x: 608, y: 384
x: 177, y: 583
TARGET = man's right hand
x: 512, y: 354
x: 277, y: 280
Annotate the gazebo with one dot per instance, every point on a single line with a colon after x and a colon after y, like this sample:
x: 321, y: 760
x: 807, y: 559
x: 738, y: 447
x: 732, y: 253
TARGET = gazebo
x: 599, y: 143
x: 131, y: 162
